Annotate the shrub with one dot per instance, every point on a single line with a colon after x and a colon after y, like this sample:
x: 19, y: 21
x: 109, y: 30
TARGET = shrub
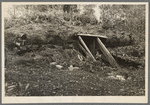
x: 84, y: 19
x: 77, y: 23
x: 93, y: 21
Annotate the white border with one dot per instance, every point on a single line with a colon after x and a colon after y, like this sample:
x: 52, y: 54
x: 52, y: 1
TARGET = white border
x: 78, y: 99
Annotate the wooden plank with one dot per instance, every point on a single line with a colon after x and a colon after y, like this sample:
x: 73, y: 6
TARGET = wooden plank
x: 81, y: 40
x: 87, y: 54
x: 100, y: 36
x: 107, y: 54
x: 90, y: 46
x: 93, y: 47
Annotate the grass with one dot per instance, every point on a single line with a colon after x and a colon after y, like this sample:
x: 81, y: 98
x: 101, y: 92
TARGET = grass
x: 46, y: 80
x: 31, y: 73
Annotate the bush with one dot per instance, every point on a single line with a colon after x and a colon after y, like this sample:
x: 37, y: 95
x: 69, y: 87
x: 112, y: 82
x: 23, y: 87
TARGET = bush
x: 84, y: 19
x: 77, y: 23
x: 93, y: 21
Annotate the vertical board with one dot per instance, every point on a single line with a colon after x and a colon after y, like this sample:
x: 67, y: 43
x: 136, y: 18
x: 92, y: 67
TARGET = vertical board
x: 93, y: 47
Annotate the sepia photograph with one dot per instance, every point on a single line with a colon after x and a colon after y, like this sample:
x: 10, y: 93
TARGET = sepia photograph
x: 81, y: 50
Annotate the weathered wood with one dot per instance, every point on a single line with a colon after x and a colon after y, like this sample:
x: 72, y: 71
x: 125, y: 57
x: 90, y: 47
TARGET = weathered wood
x: 81, y: 40
x: 107, y: 54
x: 100, y: 36
x: 87, y: 54
x: 93, y: 47
x: 90, y: 46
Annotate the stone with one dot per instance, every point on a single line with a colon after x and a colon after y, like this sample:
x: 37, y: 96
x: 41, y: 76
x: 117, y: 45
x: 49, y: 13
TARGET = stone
x: 59, y: 66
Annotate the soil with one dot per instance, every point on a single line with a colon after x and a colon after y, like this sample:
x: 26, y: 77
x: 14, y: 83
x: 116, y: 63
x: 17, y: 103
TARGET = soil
x: 31, y: 73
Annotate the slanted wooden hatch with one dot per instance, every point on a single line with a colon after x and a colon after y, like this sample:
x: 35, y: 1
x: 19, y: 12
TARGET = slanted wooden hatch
x: 88, y: 43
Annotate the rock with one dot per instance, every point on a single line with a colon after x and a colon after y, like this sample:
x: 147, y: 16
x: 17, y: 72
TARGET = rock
x: 119, y: 77
x: 27, y: 86
x: 59, y: 66
x: 37, y: 57
x: 9, y: 90
x: 70, y: 68
x: 53, y: 92
x: 111, y: 77
x: 23, y: 48
x: 129, y: 78
x: 111, y: 74
x: 121, y: 90
x: 72, y: 81
x: 53, y: 63
x: 76, y: 68
x: 12, y: 86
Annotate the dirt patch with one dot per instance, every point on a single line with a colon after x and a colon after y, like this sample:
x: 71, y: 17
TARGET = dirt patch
x: 34, y: 76
x: 31, y: 74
